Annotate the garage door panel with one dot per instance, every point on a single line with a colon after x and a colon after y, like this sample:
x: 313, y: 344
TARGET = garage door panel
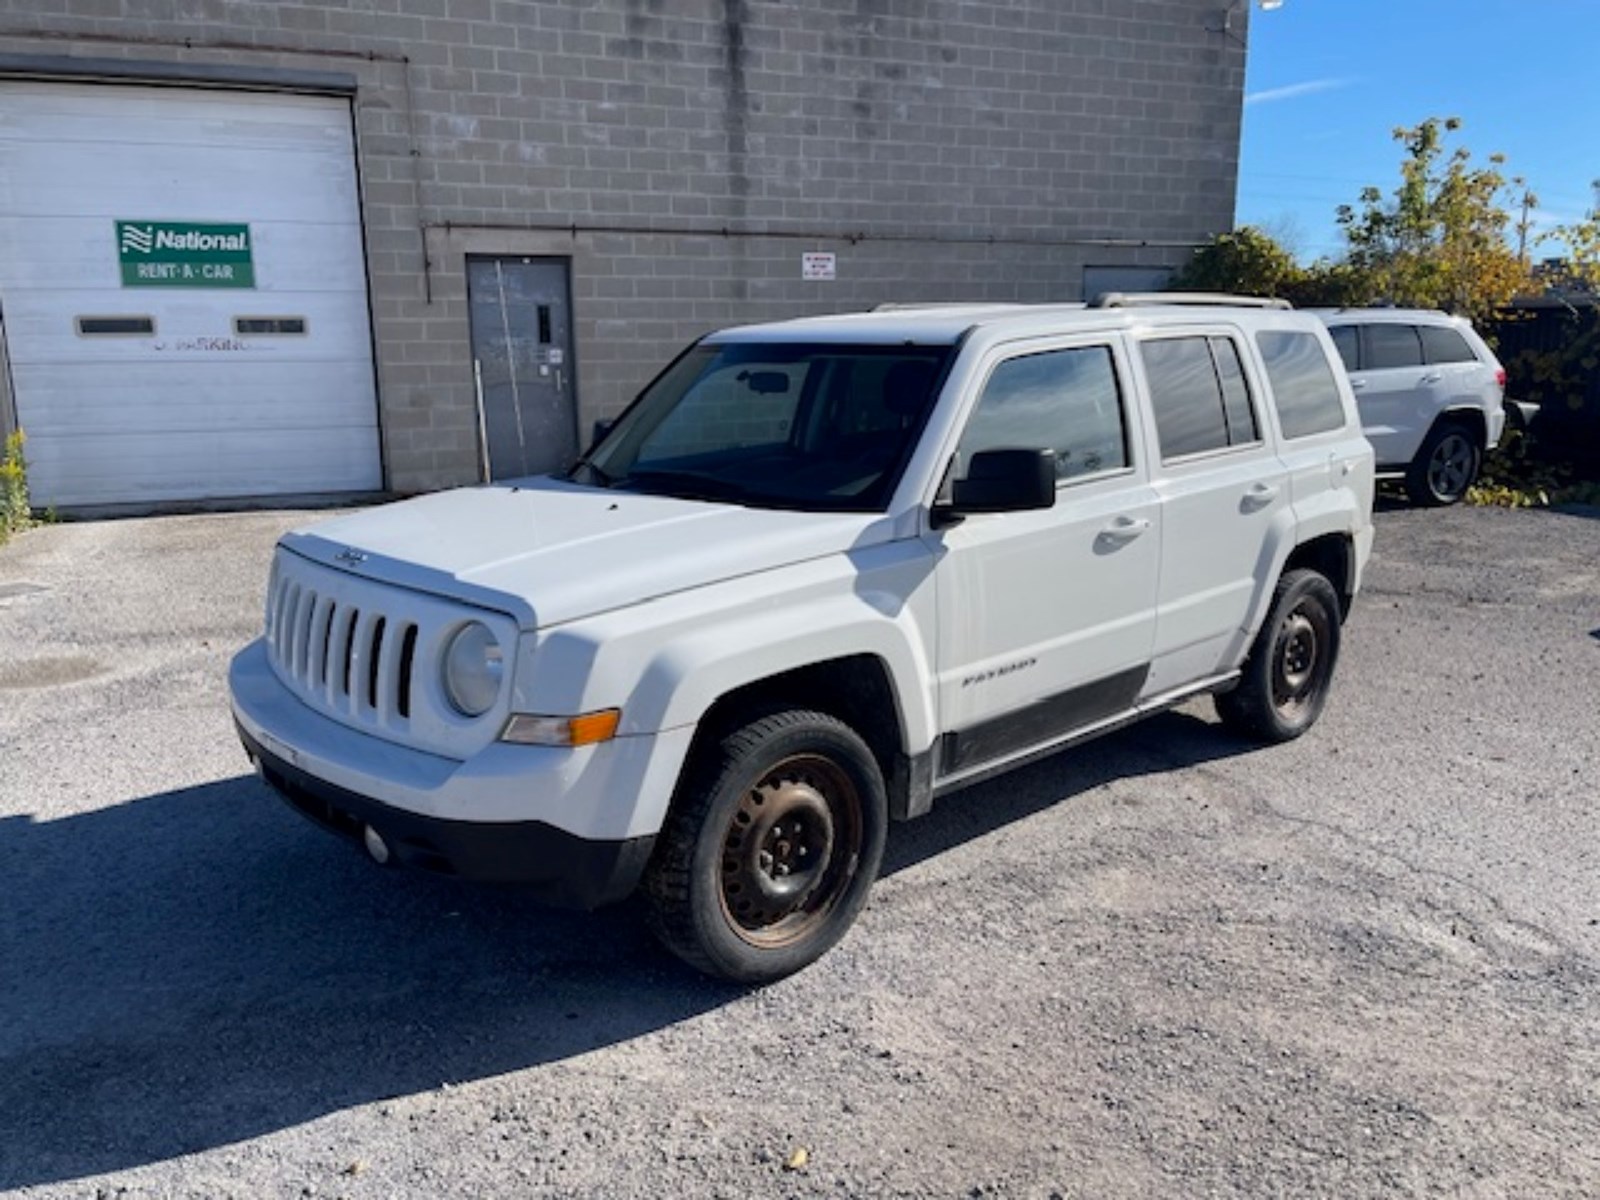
x: 275, y: 185
x: 106, y: 398
x: 129, y: 467
x: 187, y: 329
x: 49, y: 111
x: 79, y: 253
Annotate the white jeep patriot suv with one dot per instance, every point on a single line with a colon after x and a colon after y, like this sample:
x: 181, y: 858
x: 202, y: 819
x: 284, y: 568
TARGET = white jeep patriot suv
x: 820, y: 573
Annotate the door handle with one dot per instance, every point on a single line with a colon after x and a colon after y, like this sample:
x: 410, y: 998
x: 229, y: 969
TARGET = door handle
x: 1259, y: 496
x: 1357, y: 385
x: 1125, y: 529
x: 1432, y: 377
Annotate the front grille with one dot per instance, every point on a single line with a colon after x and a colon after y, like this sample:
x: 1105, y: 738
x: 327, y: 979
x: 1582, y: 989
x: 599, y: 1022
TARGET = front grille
x: 353, y: 658
x: 366, y: 653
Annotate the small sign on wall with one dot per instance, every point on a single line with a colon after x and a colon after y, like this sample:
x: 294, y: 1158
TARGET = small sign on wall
x: 819, y: 265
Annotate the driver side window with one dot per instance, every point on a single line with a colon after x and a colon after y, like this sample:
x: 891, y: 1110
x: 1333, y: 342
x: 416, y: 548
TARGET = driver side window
x: 1062, y: 400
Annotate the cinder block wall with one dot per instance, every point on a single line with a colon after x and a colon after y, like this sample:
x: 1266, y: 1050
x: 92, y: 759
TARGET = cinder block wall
x: 684, y: 153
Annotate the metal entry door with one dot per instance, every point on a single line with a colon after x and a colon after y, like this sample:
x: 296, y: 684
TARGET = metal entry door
x: 522, y: 364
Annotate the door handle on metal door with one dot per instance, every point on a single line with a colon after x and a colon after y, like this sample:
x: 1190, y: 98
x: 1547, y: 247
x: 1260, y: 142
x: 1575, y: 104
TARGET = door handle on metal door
x: 1431, y: 377
x: 1357, y: 385
x: 1125, y: 529
x: 1259, y: 496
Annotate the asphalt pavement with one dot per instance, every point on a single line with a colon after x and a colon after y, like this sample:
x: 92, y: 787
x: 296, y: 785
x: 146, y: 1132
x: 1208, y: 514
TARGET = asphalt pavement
x: 1168, y: 964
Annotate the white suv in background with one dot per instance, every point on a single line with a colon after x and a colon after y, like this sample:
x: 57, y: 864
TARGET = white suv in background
x: 1431, y: 395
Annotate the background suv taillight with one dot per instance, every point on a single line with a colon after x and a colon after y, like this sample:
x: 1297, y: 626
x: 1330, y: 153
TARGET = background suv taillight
x: 1500, y: 378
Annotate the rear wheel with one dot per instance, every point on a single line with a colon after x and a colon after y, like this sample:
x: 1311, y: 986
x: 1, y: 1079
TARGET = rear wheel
x: 770, y: 848
x: 1285, y: 682
x: 1445, y: 467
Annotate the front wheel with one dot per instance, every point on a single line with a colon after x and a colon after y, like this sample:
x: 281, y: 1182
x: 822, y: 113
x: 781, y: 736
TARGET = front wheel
x: 770, y: 848
x: 1445, y: 467
x: 1286, y: 679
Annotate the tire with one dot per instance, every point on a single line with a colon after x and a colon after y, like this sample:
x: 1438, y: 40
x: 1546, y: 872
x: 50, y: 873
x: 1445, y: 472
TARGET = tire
x: 1286, y: 679
x: 1445, y: 467
x: 770, y: 847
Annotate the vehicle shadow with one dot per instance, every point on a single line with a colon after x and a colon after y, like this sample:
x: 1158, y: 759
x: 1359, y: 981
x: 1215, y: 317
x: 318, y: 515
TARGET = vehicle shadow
x: 190, y: 969
x: 200, y: 967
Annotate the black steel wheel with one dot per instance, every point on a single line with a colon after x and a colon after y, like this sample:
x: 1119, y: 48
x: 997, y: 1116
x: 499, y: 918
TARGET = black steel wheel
x: 770, y: 848
x: 1445, y: 467
x: 1285, y: 683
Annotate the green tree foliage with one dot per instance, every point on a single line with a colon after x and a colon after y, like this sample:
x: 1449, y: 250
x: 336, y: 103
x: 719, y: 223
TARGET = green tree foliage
x: 1582, y: 241
x: 1250, y: 262
x: 1439, y: 241
x: 1246, y: 262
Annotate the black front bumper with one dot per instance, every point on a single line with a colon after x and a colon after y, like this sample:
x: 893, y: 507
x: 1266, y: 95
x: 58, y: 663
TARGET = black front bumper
x: 555, y: 865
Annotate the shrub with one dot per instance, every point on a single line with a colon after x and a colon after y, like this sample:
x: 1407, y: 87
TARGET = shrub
x: 15, y: 513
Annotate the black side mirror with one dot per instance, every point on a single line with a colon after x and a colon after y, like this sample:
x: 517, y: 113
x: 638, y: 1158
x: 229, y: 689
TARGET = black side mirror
x: 1005, y: 481
x: 601, y: 428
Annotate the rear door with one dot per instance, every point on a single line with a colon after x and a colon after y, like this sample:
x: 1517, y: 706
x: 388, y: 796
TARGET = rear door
x: 1396, y: 390
x: 1222, y: 487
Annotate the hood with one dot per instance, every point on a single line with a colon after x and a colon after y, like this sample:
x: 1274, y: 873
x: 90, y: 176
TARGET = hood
x: 547, y: 551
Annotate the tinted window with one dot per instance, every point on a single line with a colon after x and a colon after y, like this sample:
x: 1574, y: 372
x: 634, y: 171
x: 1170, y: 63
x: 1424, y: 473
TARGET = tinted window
x: 1186, y: 396
x: 1236, y: 406
x: 1303, y: 386
x: 1392, y: 346
x: 1064, y: 400
x: 1445, y: 345
x: 1348, y: 340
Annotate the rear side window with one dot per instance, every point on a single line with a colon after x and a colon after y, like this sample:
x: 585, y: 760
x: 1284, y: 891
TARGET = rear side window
x: 1303, y: 386
x: 1392, y: 346
x: 1199, y: 394
x: 1066, y: 400
x: 1348, y: 339
x: 1441, y: 345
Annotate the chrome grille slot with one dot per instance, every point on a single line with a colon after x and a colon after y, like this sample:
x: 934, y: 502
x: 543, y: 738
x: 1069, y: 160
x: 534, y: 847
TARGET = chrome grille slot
x: 364, y: 653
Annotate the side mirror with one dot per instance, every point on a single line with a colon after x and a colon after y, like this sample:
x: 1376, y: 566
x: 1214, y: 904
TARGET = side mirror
x: 1005, y: 481
x: 601, y: 428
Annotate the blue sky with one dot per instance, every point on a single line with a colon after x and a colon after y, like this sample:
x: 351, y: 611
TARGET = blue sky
x: 1329, y: 79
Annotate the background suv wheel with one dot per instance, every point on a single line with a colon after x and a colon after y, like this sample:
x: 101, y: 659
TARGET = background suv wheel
x: 1445, y: 467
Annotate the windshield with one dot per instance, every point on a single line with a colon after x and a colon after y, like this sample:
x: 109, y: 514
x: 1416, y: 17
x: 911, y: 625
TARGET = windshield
x: 780, y: 425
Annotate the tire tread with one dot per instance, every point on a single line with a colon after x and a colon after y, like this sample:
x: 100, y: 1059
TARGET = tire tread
x: 1247, y: 709
x: 668, y: 882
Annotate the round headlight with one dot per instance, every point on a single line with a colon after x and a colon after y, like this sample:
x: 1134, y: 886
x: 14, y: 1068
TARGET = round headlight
x: 473, y: 669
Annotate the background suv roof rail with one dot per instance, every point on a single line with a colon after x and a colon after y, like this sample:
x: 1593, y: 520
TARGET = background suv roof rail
x: 1136, y: 299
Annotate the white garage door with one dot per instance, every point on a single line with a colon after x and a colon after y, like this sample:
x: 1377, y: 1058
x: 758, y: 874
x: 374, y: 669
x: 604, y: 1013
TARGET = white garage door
x: 184, y: 294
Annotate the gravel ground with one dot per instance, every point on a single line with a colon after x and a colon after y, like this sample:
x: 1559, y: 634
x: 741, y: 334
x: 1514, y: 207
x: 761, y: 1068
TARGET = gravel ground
x: 1165, y: 965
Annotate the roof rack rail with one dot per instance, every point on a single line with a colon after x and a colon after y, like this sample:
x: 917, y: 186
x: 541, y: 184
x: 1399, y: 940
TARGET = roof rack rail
x: 918, y: 305
x: 1199, y: 299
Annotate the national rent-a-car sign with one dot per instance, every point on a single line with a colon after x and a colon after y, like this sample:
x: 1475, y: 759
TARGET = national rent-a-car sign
x: 184, y: 254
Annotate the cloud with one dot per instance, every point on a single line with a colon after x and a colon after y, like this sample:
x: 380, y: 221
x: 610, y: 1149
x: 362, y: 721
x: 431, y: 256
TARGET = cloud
x: 1295, y: 90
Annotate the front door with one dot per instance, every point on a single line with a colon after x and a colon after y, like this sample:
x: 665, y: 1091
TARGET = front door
x: 522, y: 365
x: 1047, y: 618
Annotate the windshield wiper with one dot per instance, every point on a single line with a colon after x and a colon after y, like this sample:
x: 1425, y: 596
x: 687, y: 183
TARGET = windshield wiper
x: 687, y: 485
